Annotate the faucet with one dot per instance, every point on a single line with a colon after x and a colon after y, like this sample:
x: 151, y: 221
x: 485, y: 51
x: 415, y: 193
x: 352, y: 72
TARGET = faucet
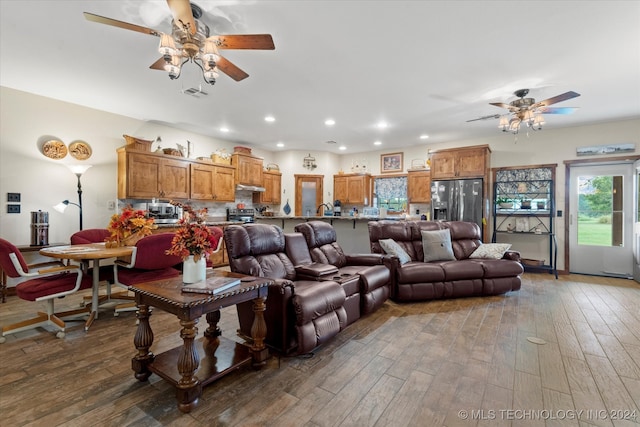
x: 326, y: 205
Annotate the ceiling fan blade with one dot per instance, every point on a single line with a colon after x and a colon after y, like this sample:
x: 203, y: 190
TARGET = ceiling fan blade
x: 492, y: 116
x: 158, y: 65
x: 557, y: 110
x: 231, y: 70
x: 181, y: 11
x: 244, y: 41
x: 556, y: 99
x: 121, y: 24
x: 507, y: 106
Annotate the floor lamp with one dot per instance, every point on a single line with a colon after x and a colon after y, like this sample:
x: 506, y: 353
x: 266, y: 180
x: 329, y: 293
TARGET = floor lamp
x: 78, y: 170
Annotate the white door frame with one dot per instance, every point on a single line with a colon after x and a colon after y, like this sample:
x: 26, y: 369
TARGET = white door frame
x: 567, y: 189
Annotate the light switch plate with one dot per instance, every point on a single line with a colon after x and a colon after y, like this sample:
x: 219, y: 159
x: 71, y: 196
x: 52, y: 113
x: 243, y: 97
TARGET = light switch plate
x: 13, y: 208
x: 13, y: 197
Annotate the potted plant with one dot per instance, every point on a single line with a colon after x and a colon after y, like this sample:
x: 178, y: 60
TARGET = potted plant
x: 192, y: 242
x: 504, y: 203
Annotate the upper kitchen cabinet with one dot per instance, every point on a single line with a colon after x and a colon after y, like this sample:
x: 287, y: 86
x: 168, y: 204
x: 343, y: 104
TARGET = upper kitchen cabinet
x: 213, y: 182
x: 352, y: 188
x: 419, y: 186
x: 248, y: 169
x: 467, y: 162
x: 148, y: 175
x: 272, y: 183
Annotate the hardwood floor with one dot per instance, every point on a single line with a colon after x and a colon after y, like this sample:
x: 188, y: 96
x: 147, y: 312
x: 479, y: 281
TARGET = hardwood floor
x: 462, y: 362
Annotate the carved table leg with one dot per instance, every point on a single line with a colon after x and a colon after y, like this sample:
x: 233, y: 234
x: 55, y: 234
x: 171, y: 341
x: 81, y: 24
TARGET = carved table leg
x: 259, y: 351
x: 189, y: 387
x: 213, y: 332
x: 143, y: 340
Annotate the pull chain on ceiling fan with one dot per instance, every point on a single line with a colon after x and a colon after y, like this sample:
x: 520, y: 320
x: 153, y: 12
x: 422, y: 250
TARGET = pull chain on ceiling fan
x: 189, y: 41
x: 527, y: 111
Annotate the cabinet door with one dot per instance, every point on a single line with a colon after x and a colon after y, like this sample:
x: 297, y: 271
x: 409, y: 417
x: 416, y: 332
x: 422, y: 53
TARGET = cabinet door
x: 202, y: 182
x: 174, y: 179
x: 340, y: 189
x: 471, y: 163
x: 276, y: 189
x: 248, y: 169
x: 143, y: 174
x: 419, y: 187
x: 443, y: 165
x: 356, y: 190
x: 224, y: 186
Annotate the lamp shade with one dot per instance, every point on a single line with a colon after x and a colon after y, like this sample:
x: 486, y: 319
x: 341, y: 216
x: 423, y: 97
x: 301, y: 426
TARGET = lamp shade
x: 79, y: 169
x: 62, y: 206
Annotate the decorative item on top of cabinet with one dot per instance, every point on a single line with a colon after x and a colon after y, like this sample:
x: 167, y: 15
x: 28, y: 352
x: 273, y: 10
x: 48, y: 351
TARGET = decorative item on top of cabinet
x: 419, y: 186
x: 354, y: 189
x: 466, y: 162
x: 272, y: 183
x: 248, y: 169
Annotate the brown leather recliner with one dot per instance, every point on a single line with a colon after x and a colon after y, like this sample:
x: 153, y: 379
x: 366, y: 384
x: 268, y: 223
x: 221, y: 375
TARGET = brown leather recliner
x: 300, y: 314
x: 372, y: 269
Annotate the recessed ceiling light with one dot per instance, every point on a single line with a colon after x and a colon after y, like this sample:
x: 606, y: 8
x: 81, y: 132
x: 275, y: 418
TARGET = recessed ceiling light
x: 382, y: 125
x: 269, y: 119
x: 342, y: 147
x: 377, y: 143
x: 280, y: 144
x: 424, y: 136
x: 329, y: 122
x: 223, y: 129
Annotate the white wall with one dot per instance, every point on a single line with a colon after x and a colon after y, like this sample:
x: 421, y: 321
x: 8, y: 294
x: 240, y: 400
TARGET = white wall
x: 43, y: 182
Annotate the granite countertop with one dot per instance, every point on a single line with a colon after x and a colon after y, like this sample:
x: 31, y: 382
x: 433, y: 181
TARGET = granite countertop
x: 214, y: 223
x: 339, y: 218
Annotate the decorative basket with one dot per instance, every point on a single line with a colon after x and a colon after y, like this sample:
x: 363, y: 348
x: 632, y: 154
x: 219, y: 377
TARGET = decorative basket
x: 172, y: 152
x: 417, y: 164
x: 532, y: 262
x: 240, y: 149
x: 272, y: 167
x: 137, y: 143
x: 221, y: 156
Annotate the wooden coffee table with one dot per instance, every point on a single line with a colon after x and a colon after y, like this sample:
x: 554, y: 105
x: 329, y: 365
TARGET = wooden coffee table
x: 197, y: 363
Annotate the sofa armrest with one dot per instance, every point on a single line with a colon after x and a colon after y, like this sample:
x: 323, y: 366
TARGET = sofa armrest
x: 512, y: 255
x: 365, y: 259
x: 315, y: 270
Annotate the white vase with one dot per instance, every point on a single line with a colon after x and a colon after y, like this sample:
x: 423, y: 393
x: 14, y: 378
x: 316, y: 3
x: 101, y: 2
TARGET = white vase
x: 194, y: 272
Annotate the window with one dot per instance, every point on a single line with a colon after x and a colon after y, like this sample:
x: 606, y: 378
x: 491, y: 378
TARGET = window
x: 390, y: 193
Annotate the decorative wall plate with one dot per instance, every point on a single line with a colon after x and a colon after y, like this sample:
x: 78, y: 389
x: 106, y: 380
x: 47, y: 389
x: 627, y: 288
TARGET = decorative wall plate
x: 54, y: 149
x: 80, y: 150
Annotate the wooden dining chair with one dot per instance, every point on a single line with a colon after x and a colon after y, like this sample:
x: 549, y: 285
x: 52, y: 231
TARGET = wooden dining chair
x: 216, y: 240
x: 149, y: 261
x: 44, y: 282
x: 96, y: 235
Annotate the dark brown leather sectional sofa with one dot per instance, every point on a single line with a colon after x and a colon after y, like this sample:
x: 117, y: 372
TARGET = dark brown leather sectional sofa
x: 309, y: 302
x: 417, y: 280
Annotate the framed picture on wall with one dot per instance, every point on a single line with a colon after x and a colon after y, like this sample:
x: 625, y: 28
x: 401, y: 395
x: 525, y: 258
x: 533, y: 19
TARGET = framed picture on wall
x: 391, y: 162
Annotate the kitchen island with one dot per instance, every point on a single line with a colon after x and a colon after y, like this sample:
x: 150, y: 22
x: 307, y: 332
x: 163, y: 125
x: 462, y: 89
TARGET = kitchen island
x: 352, y: 232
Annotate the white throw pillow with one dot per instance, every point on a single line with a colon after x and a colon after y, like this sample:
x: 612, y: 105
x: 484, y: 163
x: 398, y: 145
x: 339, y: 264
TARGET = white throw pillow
x: 491, y: 250
x: 392, y: 247
x: 437, y: 245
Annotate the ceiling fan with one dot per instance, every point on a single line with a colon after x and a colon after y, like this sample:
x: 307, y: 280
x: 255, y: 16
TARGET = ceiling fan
x: 190, y: 41
x: 528, y: 111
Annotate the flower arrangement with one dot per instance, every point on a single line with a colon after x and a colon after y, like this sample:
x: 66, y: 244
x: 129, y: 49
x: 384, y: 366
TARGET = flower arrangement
x: 193, y: 237
x: 129, y: 223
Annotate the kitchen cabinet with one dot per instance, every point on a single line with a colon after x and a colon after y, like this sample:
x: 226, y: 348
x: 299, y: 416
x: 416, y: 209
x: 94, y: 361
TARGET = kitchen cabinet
x: 144, y: 175
x: 354, y: 189
x: 524, y: 211
x: 272, y: 183
x: 419, y: 186
x: 212, y: 182
x: 466, y: 162
x: 248, y: 169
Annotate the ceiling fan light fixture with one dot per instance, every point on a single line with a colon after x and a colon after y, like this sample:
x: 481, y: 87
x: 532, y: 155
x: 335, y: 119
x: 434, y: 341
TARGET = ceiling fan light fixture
x: 504, y: 123
x: 173, y: 67
x: 514, y: 125
x: 167, y: 47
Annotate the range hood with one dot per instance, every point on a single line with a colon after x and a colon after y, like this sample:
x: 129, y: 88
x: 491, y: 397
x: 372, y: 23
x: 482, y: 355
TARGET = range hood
x: 254, y: 188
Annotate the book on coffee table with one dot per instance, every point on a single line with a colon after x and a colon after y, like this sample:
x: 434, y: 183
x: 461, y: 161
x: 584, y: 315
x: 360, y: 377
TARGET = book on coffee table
x: 212, y: 285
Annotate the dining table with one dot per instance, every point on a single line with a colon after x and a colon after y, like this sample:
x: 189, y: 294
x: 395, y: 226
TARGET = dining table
x: 86, y: 254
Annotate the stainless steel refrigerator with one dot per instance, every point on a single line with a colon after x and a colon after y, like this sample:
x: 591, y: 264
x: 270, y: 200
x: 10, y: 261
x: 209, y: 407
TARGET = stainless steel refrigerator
x: 457, y: 200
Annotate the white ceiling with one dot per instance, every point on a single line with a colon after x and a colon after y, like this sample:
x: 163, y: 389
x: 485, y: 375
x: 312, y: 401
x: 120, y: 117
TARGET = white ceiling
x: 424, y: 67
